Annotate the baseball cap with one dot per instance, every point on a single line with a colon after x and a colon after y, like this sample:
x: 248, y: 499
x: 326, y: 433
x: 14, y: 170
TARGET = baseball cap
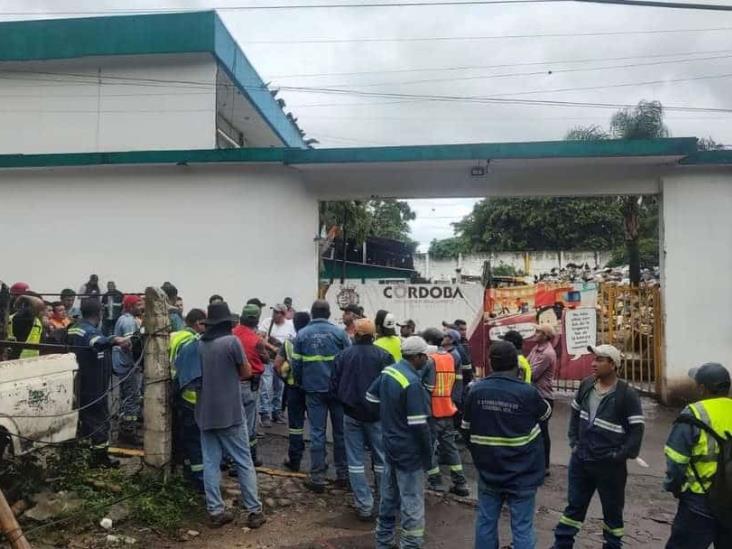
x: 449, y: 325
x: 547, y: 329
x: 607, y: 351
x: 279, y: 308
x: 408, y: 322
x: 364, y: 326
x: 353, y: 308
x: 454, y: 335
x: 389, y: 321
x: 19, y: 288
x: 130, y: 300
x: 251, y: 310
x: 712, y: 375
x: 414, y: 345
x: 256, y: 301
x: 503, y: 355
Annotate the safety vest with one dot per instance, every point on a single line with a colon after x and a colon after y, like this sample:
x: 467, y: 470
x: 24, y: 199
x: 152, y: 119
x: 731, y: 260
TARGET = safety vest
x: 34, y: 336
x: 392, y: 345
x: 524, y: 369
x: 442, y: 404
x: 177, y: 340
x: 717, y: 413
x: 286, y: 368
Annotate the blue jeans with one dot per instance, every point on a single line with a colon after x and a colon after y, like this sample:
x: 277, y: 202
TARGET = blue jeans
x: 270, y: 393
x: 318, y: 407
x: 130, y: 395
x: 401, y: 491
x: 249, y: 407
x: 359, y: 436
x: 233, y: 441
x: 521, y: 505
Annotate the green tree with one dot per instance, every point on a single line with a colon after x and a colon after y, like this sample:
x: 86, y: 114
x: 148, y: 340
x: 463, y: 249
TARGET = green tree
x: 448, y: 247
x: 709, y: 144
x: 386, y: 218
x: 644, y: 121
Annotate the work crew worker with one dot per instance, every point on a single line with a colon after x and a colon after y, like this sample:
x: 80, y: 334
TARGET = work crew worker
x: 354, y: 370
x: 605, y: 430
x: 295, y: 396
x: 448, y: 390
x: 404, y: 411
x: 25, y: 325
x: 128, y: 374
x: 257, y: 356
x: 386, y: 337
x: 524, y: 366
x: 543, y: 360
x: 501, y: 419
x: 94, y: 375
x: 186, y: 375
x: 691, y: 447
x: 464, y: 349
x: 314, y: 352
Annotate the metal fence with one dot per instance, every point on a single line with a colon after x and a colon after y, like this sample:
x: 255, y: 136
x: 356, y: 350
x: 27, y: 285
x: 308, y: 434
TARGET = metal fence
x: 631, y: 319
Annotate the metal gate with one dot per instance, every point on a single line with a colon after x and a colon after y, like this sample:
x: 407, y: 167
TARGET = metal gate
x: 631, y: 319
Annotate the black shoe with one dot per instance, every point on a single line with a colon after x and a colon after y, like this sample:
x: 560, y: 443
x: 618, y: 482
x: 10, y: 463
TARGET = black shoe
x: 314, y: 486
x: 365, y: 517
x: 255, y: 460
x: 460, y: 490
x: 218, y: 520
x: 255, y: 520
x: 291, y: 466
x: 342, y: 484
x: 434, y: 483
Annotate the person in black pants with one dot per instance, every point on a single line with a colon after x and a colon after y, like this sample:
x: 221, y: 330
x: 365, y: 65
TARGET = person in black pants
x: 605, y: 430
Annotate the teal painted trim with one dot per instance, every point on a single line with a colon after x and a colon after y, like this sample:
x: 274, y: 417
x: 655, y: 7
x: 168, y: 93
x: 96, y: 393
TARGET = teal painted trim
x: 333, y: 269
x: 294, y: 156
x: 188, y: 32
x: 493, y: 151
x: 169, y: 33
x: 248, y: 81
x: 707, y: 158
x: 141, y: 157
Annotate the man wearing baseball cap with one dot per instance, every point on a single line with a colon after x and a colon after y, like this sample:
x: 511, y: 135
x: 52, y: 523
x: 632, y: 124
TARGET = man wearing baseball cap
x: 387, y: 338
x: 543, y: 362
x: 354, y: 370
x: 691, y: 462
x: 605, y: 430
x: 351, y: 313
x: 123, y: 363
x: 407, y: 328
x: 404, y: 410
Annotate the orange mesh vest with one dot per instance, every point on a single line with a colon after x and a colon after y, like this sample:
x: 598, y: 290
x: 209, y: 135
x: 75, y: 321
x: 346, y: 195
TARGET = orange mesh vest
x: 442, y: 404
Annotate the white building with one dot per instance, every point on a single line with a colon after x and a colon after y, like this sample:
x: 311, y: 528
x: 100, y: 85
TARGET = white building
x: 116, y: 158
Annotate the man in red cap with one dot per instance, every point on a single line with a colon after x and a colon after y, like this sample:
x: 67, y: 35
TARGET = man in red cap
x: 130, y: 375
x: 19, y: 288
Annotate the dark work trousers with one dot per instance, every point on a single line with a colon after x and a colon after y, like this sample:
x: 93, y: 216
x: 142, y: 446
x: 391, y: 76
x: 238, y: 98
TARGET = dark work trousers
x: 545, y: 437
x: 608, y: 478
x: 446, y: 452
x: 296, y: 424
x: 189, y: 437
x: 93, y: 384
x: 694, y: 531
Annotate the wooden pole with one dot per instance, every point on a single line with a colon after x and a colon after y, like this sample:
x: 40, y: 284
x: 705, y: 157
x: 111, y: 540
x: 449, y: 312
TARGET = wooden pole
x: 10, y: 526
x: 158, y: 437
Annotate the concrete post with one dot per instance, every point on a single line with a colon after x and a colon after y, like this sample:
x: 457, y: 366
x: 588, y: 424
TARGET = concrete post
x: 158, y: 438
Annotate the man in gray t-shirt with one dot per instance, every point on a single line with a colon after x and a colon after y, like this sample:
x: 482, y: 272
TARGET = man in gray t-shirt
x: 220, y: 419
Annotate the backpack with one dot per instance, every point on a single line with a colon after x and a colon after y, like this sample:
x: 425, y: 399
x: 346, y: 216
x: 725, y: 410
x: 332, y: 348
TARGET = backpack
x: 719, y: 495
x: 621, y: 392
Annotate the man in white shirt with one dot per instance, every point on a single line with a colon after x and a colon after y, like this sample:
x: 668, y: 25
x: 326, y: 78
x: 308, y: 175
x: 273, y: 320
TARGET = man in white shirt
x: 275, y: 330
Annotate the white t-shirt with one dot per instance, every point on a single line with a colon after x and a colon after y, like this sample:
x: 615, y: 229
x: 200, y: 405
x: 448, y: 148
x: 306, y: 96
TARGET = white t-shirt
x: 280, y: 332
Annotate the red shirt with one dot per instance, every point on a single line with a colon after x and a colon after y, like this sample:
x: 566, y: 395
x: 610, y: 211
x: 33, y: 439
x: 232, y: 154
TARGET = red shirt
x: 253, y: 347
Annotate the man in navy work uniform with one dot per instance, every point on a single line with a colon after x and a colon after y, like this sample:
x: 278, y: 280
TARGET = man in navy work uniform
x: 95, y: 370
x: 605, y: 430
x: 404, y: 407
x: 315, y: 349
x: 501, y: 419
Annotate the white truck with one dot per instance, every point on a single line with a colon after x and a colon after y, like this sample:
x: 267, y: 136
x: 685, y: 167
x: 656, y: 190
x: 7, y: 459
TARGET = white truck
x: 37, y: 402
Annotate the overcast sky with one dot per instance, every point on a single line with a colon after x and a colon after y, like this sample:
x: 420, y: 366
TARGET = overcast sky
x: 284, y: 45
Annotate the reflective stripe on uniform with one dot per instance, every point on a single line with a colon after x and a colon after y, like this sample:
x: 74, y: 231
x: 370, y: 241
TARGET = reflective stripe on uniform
x: 465, y: 425
x: 416, y: 420
x: 190, y: 396
x: 357, y: 469
x: 395, y: 374
x: 317, y: 358
x: 296, y: 431
x: 617, y: 532
x: 372, y: 398
x: 575, y: 405
x: 466, y: 367
x: 196, y: 468
x: 636, y: 419
x: 506, y: 441
x: 584, y: 415
x: 608, y: 426
x: 570, y: 522
x: 456, y: 468
x: 675, y: 456
x: 433, y: 471
x: 415, y: 533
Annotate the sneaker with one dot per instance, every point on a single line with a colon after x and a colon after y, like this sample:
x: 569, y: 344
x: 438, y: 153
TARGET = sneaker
x: 291, y: 466
x: 255, y: 520
x: 316, y: 487
x: 219, y: 519
x: 435, y: 484
x: 460, y: 490
x: 266, y: 422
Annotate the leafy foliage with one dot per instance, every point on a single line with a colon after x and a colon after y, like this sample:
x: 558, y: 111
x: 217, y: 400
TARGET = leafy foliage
x: 448, y: 247
x: 709, y: 144
x: 385, y: 218
x: 644, y: 121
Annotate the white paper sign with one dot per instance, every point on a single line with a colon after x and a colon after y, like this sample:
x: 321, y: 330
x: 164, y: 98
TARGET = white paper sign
x: 580, y: 328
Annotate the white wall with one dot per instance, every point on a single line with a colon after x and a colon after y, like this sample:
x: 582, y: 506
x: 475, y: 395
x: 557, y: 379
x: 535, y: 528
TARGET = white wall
x: 696, y: 284
x: 60, y: 106
x: 240, y: 231
x: 537, y: 262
